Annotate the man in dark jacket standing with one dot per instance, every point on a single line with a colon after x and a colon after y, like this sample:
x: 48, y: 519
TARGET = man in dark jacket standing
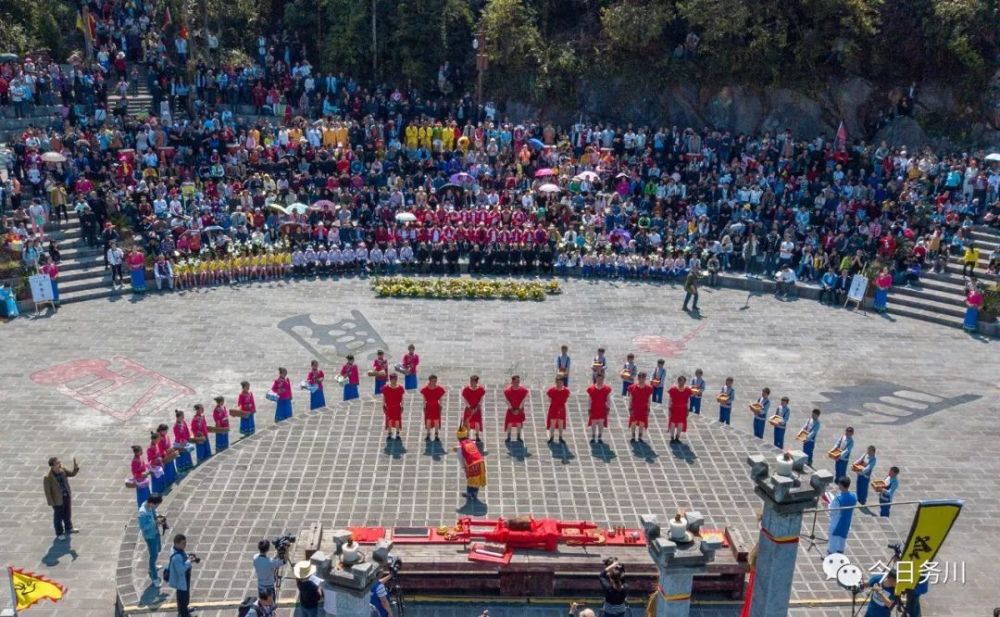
x: 58, y: 495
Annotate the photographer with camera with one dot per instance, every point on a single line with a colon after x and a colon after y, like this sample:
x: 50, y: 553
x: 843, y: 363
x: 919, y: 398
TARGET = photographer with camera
x: 263, y: 607
x: 149, y: 524
x: 380, y: 594
x: 178, y: 573
x: 266, y: 567
x: 615, y: 590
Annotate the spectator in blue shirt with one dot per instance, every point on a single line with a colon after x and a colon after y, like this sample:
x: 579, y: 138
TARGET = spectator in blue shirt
x: 180, y: 574
x: 151, y: 533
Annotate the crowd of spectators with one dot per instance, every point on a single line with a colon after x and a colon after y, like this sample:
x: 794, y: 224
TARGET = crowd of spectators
x: 385, y: 174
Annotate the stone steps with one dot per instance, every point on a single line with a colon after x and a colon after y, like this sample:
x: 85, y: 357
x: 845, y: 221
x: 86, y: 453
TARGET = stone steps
x: 952, y: 296
x: 924, y: 315
x: 925, y: 303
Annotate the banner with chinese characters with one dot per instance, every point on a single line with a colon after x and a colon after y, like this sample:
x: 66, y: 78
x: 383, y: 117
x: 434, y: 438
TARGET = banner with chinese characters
x: 932, y: 522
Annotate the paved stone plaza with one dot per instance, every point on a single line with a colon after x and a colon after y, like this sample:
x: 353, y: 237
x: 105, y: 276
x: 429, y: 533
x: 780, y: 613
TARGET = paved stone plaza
x: 926, y: 396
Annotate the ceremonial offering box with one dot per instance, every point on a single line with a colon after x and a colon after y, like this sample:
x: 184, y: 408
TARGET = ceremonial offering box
x: 372, y: 373
x: 305, y: 385
x: 481, y: 565
x: 878, y: 486
x: 802, y: 435
x: 597, y: 366
x: 218, y: 429
x: 238, y: 413
x: 271, y: 396
x: 756, y: 408
x: 835, y: 453
x: 171, y: 455
x: 340, y: 379
x: 776, y: 420
x: 695, y: 392
x: 199, y: 439
x: 723, y: 399
x: 130, y: 483
x: 858, y: 467
x: 399, y: 369
x: 626, y: 375
x: 656, y: 383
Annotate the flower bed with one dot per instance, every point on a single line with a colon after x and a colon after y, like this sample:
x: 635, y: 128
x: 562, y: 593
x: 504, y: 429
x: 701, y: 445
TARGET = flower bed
x: 463, y: 289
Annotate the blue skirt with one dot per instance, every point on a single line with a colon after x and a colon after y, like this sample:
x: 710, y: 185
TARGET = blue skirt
x: 410, y: 382
x: 694, y: 404
x: 317, y: 399
x: 141, y: 494
x: 283, y: 410
x: 184, y: 461
x: 158, y: 485
x: 351, y: 392
x: 379, y: 384
x: 881, y: 296
x: 221, y: 441
x: 862, y: 487
x: 247, y: 426
x: 203, y: 450
x: 169, y: 473
x: 971, y: 323
x: 139, y: 280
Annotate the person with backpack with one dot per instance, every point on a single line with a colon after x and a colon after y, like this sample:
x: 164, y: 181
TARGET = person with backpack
x: 263, y: 607
x: 178, y: 574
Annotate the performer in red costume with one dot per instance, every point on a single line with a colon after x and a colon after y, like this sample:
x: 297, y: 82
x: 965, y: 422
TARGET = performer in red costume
x: 680, y: 397
x: 472, y: 417
x: 473, y: 464
x: 432, y: 393
x: 639, y: 395
x: 597, y: 415
x: 515, y: 394
x: 555, y: 420
x: 392, y: 407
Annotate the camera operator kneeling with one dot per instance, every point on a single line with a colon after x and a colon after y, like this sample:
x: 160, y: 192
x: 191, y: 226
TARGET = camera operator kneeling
x: 263, y: 607
x: 615, y: 590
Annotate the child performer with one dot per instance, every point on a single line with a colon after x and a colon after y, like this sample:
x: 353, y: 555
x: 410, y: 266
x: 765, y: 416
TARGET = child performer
x: 350, y: 372
x: 515, y: 394
x: 432, y: 393
x: 555, y: 420
x: 246, y: 404
x: 199, y: 430
x: 597, y: 416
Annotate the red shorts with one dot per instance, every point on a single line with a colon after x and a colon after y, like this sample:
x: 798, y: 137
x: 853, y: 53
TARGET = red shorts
x: 432, y: 417
x: 679, y: 416
x: 393, y: 418
x: 639, y: 417
x: 473, y: 419
x: 598, y: 418
x: 513, y: 420
x: 555, y: 416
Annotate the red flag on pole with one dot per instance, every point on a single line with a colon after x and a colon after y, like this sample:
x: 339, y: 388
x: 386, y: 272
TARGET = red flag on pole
x: 167, y: 20
x: 842, y: 136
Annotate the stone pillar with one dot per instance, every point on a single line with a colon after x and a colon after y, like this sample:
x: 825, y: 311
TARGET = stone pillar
x: 354, y: 583
x: 785, y: 497
x: 677, y: 561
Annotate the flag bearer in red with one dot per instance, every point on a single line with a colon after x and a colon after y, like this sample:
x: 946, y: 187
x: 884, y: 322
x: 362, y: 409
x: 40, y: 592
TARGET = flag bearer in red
x: 639, y: 395
x: 432, y: 393
x: 472, y: 416
x: 515, y: 394
x: 473, y: 464
x: 555, y: 420
x: 392, y: 407
x: 597, y: 415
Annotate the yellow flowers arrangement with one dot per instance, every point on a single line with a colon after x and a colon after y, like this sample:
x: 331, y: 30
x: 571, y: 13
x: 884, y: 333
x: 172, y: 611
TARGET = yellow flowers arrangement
x: 463, y: 289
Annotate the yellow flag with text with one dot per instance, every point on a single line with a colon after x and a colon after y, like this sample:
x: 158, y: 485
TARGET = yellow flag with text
x: 931, y: 524
x: 30, y: 588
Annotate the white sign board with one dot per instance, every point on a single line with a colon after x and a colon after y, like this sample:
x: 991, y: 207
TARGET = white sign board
x: 41, y: 288
x: 859, y: 284
x: 165, y: 118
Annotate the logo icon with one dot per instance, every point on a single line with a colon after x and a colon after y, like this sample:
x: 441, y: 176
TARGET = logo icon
x: 662, y: 346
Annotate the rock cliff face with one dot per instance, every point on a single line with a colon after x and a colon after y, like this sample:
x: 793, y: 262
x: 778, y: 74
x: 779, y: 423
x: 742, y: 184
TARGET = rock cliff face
x: 938, y: 116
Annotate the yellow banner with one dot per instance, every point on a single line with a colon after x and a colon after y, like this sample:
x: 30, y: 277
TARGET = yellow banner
x: 31, y: 588
x: 931, y: 524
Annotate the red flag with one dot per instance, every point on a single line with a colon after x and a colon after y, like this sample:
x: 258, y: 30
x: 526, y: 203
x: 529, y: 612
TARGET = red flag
x: 167, y: 20
x: 842, y: 136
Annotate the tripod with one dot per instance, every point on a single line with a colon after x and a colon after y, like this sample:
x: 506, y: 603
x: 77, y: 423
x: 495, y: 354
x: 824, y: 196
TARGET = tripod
x: 813, y: 538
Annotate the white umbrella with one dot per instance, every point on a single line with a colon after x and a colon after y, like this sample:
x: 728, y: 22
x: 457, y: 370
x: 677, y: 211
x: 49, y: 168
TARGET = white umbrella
x: 53, y: 157
x: 549, y: 188
x: 297, y: 208
x: 589, y: 176
x: 993, y: 158
x: 405, y: 217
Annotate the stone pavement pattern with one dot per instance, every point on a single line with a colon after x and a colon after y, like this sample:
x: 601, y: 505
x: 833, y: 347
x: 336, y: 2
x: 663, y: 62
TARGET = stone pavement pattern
x: 926, y: 396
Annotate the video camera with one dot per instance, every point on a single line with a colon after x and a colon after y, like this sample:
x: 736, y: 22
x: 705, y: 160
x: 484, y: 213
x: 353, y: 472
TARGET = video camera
x: 161, y: 522
x: 281, y: 544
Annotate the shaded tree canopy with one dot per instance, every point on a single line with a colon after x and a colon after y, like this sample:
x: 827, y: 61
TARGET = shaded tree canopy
x: 546, y: 50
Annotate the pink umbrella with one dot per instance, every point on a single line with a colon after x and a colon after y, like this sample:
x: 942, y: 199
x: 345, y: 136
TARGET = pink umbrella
x: 545, y: 171
x: 323, y: 204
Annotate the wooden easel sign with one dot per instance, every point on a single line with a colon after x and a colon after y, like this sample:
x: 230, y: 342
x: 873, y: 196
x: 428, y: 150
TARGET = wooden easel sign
x: 856, y: 294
